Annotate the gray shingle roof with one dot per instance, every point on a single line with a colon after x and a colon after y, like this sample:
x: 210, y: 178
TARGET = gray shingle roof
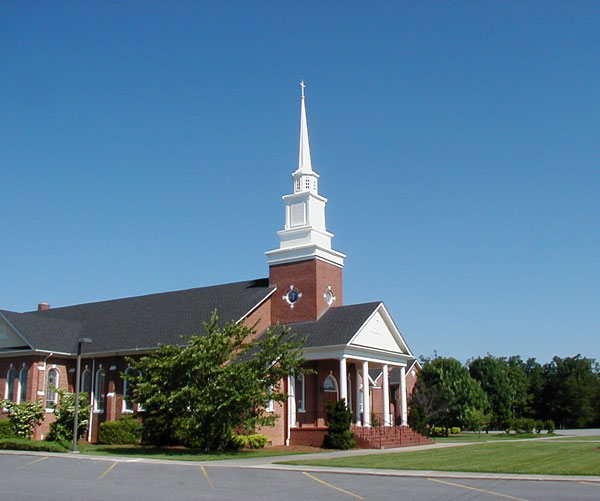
x: 138, y: 322
x: 337, y: 326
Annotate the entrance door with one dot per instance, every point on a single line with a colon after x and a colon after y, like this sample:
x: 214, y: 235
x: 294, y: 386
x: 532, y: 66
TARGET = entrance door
x: 330, y: 393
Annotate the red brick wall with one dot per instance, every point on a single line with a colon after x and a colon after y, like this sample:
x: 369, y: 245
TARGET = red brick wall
x: 311, y: 278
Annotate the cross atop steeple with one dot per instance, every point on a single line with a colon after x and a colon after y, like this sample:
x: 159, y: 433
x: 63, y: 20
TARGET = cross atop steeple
x: 303, y: 86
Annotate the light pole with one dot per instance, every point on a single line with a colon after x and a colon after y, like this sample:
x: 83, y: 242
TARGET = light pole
x: 82, y: 340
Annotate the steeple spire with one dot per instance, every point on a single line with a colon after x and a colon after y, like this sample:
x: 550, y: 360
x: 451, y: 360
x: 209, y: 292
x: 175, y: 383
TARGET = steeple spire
x: 304, y: 162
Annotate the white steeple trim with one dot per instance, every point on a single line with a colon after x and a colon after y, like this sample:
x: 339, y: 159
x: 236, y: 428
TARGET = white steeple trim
x: 304, y: 162
x: 305, y: 234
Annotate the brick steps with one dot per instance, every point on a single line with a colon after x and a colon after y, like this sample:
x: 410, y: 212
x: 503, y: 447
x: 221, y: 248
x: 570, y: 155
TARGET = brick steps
x: 386, y: 437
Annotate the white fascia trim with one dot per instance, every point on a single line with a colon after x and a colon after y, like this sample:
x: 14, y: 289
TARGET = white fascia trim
x: 390, y: 323
x: 343, y: 351
x: 16, y: 331
x: 305, y: 195
x: 303, y: 253
x: 6, y: 354
x: 256, y: 306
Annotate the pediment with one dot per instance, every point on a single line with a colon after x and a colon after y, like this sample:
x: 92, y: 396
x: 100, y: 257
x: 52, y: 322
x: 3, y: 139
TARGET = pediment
x: 380, y: 333
x: 9, y: 338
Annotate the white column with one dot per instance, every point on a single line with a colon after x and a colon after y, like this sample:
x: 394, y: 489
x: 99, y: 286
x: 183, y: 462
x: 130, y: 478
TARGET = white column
x: 366, y: 398
x: 403, y: 396
x: 291, y: 408
x: 343, y: 381
x: 357, y: 399
x: 386, y: 396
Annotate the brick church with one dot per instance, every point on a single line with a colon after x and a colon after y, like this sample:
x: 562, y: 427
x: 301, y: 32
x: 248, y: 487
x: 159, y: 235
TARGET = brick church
x: 357, y: 352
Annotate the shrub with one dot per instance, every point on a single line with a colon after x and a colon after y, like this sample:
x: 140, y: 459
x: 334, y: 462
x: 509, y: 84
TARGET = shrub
x: 455, y: 430
x: 64, y: 410
x: 539, y: 426
x: 24, y: 416
x: 125, y: 430
x: 439, y: 431
x: 6, y: 429
x: 257, y: 441
x: 24, y: 444
x: 239, y: 442
x: 339, y: 418
x: 550, y: 426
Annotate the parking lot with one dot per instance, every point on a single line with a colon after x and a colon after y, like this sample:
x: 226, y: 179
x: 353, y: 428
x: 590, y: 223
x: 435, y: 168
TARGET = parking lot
x: 26, y: 476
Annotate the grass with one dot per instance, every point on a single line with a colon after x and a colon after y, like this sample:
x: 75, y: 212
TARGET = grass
x: 178, y: 453
x: 550, y: 457
x: 490, y: 437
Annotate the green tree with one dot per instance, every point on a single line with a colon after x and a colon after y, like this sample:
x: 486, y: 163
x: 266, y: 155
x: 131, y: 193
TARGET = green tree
x: 199, y: 393
x: 64, y: 410
x: 477, y: 420
x: 454, y: 389
x: 492, y: 374
x: 24, y: 416
x: 339, y: 419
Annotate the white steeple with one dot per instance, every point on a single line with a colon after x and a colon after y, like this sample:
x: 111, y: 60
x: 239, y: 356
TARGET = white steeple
x: 305, y: 235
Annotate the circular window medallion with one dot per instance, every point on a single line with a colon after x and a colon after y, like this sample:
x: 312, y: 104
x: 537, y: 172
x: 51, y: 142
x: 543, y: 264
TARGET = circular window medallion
x: 329, y: 296
x: 292, y: 296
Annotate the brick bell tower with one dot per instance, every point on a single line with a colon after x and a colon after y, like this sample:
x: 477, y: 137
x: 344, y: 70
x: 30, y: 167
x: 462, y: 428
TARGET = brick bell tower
x: 305, y: 269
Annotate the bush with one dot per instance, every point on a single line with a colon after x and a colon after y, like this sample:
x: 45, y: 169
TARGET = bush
x: 539, y: 426
x: 24, y: 444
x: 239, y: 442
x: 64, y: 410
x: 550, y: 426
x: 455, y: 430
x: 6, y: 429
x: 125, y: 430
x: 24, y: 416
x: 257, y: 441
x: 339, y: 418
x: 439, y: 431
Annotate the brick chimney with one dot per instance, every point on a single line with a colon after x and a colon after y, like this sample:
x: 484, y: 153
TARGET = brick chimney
x: 43, y: 306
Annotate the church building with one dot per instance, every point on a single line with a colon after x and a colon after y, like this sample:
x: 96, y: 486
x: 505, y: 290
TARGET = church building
x: 354, y: 350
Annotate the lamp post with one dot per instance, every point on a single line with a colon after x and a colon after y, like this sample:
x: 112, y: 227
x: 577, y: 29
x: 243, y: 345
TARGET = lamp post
x: 82, y: 340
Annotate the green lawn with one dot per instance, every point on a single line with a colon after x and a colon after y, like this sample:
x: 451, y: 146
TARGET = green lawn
x: 489, y: 437
x: 181, y: 454
x: 551, y: 457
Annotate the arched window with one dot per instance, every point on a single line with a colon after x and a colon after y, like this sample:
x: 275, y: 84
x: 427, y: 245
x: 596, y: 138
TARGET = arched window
x: 51, y: 387
x: 300, y: 393
x: 86, y: 381
x: 127, y: 402
x: 10, y: 389
x: 23, y: 384
x: 330, y: 385
x: 99, y: 395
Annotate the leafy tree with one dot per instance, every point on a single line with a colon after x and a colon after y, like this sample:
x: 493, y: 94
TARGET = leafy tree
x: 198, y: 394
x: 24, y: 416
x: 64, y: 410
x: 492, y: 374
x: 519, y: 381
x: 454, y: 389
x: 426, y: 407
x: 476, y: 419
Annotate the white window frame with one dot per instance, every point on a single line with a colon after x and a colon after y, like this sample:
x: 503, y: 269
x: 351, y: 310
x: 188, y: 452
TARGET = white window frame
x: 99, y: 392
x: 124, y: 408
x: 86, y: 372
x: 335, y: 383
x: 301, y: 399
x: 24, y: 370
x: 11, y: 370
x: 49, y: 391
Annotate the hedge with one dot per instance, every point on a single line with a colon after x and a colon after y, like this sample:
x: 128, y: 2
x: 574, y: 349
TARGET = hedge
x: 125, y: 430
x: 24, y: 444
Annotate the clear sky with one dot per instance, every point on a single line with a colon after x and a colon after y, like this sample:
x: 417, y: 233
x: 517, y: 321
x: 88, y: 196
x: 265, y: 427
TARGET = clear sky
x: 145, y: 147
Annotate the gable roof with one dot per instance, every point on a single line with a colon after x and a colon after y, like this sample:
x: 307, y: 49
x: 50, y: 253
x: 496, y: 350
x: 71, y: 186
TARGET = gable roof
x: 138, y: 322
x: 337, y: 326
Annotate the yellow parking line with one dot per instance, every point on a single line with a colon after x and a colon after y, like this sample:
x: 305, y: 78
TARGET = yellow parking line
x: 33, y: 462
x: 212, y: 486
x: 475, y: 489
x: 333, y: 486
x: 108, y: 469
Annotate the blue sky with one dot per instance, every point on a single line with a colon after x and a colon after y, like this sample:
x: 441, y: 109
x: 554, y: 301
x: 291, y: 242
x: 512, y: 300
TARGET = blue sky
x: 145, y: 147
